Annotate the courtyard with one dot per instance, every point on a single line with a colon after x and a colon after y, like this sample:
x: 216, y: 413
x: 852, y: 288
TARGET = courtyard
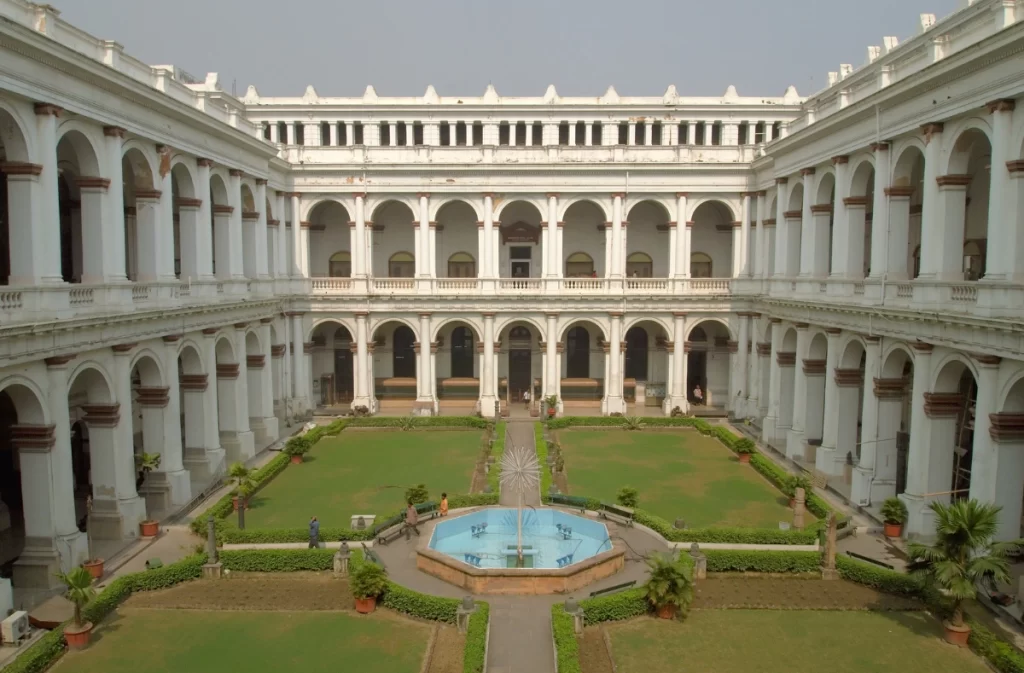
x: 679, y: 474
x: 365, y: 472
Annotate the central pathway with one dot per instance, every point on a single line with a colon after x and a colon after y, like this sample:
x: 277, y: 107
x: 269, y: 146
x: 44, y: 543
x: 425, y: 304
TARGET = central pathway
x: 519, y: 434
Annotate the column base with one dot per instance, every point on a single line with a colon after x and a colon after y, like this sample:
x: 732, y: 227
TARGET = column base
x: 116, y: 519
x: 166, y: 491
x: 768, y: 429
x: 613, y: 405
x: 273, y: 428
x: 258, y: 430
x: 794, y: 443
x: 423, y: 407
x: 920, y: 519
x: 38, y: 565
x: 362, y: 402
x: 204, y: 465
x: 829, y: 461
x: 487, y: 406
x: 860, y: 488
x: 238, y: 445
x: 74, y: 548
x: 882, y: 490
x: 675, y: 402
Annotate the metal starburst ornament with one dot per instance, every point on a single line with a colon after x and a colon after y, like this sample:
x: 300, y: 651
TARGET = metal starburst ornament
x: 520, y: 473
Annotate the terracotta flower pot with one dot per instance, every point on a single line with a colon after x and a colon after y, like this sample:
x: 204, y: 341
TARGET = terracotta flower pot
x: 744, y: 457
x: 296, y: 460
x: 77, y: 637
x: 957, y: 635
x: 792, y: 503
x: 667, y: 612
x: 366, y: 605
x: 893, y: 529
x: 95, y: 568
x: 551, y: 413
x: 149, y: 528
x: 234, y: 501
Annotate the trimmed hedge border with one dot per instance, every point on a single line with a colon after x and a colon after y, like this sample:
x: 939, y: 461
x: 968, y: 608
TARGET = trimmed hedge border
x: 567, y: 648
x: 494, y: 475
x: 542, y: 458
x: 229, y: 533
x: 765, y: 466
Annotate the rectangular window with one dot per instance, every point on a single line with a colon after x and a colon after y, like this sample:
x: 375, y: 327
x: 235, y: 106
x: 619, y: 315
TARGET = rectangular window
x: 478, y: 134
x: 581, y: 133
x: 446, y: 134
x: 385, y: 134
x: 716, y: 133
x: 641, y: 133
x: 743, y: 134
x: 623, y: 133
x: 503, y: 133
x: 759, y: 133
x: 282, y: 133
x: 460, y: 134
x: 701, y: 133
x: 538, y: 133
x: 776, y: 130
x: 597, y: 138
x: 342, y: 134
x: 300, y: 134
x: 563, y: 133
x: 684, y: 132
x: 656, y: 134
x: 325, y: 133
x: 357, y: 134
x: 417, y: 133
x: 403, y: 135
x: 266, y: 131
x: 520, y: 134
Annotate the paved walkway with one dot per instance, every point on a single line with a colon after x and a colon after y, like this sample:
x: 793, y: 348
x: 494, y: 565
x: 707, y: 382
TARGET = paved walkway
x: 519, y: 434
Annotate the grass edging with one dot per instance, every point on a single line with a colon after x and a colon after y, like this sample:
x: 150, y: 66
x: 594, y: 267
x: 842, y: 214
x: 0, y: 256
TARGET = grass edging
x: 542, y: 458
x: 497, y: 451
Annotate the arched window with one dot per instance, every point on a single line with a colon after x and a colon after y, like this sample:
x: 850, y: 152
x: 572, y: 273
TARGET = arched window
x: 401, y: 265
x: 639, y: 265
x: 700, y: 265
x: 340, y: 265
x: 917, y: 262
x: 461, y: 265
x: 974, y: 258
x: 579, y: 265
x: 519, y: 333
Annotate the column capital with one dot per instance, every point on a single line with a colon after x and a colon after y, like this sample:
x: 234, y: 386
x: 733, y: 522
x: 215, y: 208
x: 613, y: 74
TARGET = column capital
x: 227, y: 371
x: 764, y: 348
x: 424, y: 314
x: 294, y: 314
x: 814, y: 367
x: 266, y: 321
x: 193, y: 382
x: 359, y: 195
x: 487, y: 315
x: 1015, y: 167
x: 240, y: 325
x: 185, y: 202
x: 879, y: 147
x: 682, y: 195
x: 953, y: 180
x: 855, y: 201
x: 821, y: 208
x: 781, y: 181
x: 210, y: 331
x: 58, y: 361
x: 849, y: 378
x: 487, y: 195
x: 748, y: 194
x: 775, y: 321
x: 899, y: 192
x: 804, y: 172
x: 986, y: 360
x: 1004, y: 427
x: 261, y: 182
x: 235, y: 172
x: 113, y: 131
x: 302, y: 224
x: 793, y: 214
x: 278, y: 350
x: 361, y: 314
x: 204, y: 163
x: 21, y: 168
x: 121, y: 349
x: 172, y: 338
x: 931, y: 129
x: 221, y: 209
x: 890, y: 388
x: 922, y: 347
x: 552, y: 195
x: 551, y: 315
x: 785, y: 359
x: 942, y: 405
x: 678, y: 314
x: 33, y: 438
x: 801, y: 325
x: 833, y: 331
x: 102, y: 415
x: 151, y: 194
x: 618, y: 195
x: 840, y: 159
x: 615, y: 314
x: 1001, y: 105
x: 294, y: 195
x: 423, y: 195
x: 49, y: 109
x: 153, y: 396
x: 255, y: 361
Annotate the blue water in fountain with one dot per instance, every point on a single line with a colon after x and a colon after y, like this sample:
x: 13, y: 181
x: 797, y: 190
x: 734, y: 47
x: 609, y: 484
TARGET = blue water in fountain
x: 544, y: 531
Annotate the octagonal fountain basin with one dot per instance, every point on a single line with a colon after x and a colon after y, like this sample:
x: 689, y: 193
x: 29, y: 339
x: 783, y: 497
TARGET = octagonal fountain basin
x: 561, y: 552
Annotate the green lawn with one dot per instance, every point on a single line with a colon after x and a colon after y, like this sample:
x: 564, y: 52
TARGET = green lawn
x: 796, y: 641
x: 678, y: 474
x: 176, y: 641
x: 365, y: 472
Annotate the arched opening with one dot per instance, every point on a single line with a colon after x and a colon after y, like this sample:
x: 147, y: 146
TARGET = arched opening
x: 821, y: 227
x: 395, y: 222
x: 193, y: 382
x: 707, y: 367
x: 814, y: 369
x: 785, y: 359
x: 647, y: 235
x: 585, y: 235
x: 330, y: 252
x: 456, y: 234
x: 184, y: 211
x: 792, y: 231
x: 905, y: 198
x: 849, y: 378
x: 853, y: 254
x: 461, y: 265
x: 220, y: 216
x: 971, y: 162
x: 149, y: 400
x: 78, y: 180
x: 584, y: 357
x: 340, y: 265
x: 229, y: 415
x: 636, y: 354
x: 458, y: 371
x: 254, y: 362
x: 20, y: 410
x: 580, y: 265
x: 141, y: 216
x: 639, y: 265
x: 394, y: 362
x: 462, y: 353
x: 333, y: 364
x: 14, y: 190
x: 951, y: 408
x: 520, y: 250
x: 519, y: 371
x: 646, y: 365
x: 701, y: 265
x: 577, y: 353
x: 712, y: 235
x: 401, y: 265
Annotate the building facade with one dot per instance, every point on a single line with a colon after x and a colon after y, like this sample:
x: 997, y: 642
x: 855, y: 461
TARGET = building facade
x: 186, y: 272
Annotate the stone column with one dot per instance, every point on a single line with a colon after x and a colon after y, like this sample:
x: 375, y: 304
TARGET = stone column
x: 1006, y: 433
x: 740, y: 387
x: 1001, y: 222
x: 554, y: 262
x: 281, y: 263
x: 613, y: 386
x: 618, y: 254
x: 932, y: 210
x: 807, y: 242
x: 202, y: 455
x: 113, y: 214
x: 552, y: 340
x: 759, y: 400
x: 880, y: 245
x: 757, y: 263
x: 770, y: 425
x: 929, y: 425
x: 740, y: 236
x: 984, y: 451
x: 424, y: 374
x: 266, y: 379
x: 608, y: 245
x: 796, y: 437
x: 122, y: 508
x: 235, y: 256
x: 262, y: 265
x: 781, y: 228
x: 677, y: 395
x: 204, y: 221
x: 300, y: 377
x: 488, y: 246
x: 33, y: 258
x: 249, y: 220
x: 828, y: 458
x: 864, y: 474
x: 297, y: 251
x: 362, y: 386
x: 422, y: 236
x: 172, y: 453
x: 488, y: 387
x: 1013, y: 255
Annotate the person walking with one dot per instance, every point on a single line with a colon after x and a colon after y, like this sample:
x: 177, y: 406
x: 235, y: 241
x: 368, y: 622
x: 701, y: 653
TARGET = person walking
x: 411, y: 519
x: 314, y: 533
x: 444, y: 504
x: 698, y: 395
x: 526, y: 398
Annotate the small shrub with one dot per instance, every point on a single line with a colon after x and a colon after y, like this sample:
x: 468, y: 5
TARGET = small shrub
x: 369, y: 580
x: 628, y: 497
x: 297, y: 446
x: 670, y: 583
x: 417, y: 494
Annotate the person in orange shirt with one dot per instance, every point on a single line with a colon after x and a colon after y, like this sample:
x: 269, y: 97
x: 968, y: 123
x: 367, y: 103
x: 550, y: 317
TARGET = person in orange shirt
x: 444, y: 504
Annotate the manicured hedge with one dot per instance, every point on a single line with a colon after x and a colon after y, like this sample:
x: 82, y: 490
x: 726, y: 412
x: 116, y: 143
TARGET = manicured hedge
x: 418, y: 422
x: 278, y: 560
x: 1000, y: 654
x: 542, y: 458
x: 474, y: 654
x: 883, y: 579
x: 567, y: 649
x: 728, y: 560
x: 615, y: 607
x: 494, y: 475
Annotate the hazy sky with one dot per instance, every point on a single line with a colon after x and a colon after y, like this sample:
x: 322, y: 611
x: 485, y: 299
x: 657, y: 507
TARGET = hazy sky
x: 521, y: 46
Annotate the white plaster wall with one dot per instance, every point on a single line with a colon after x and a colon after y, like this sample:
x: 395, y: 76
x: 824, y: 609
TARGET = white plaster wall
x: 646, y: 238
x: 459, y: 235
x: 335, y: 237
x: 580, y: 236
x: 718, y: 244
x: 398, y: 236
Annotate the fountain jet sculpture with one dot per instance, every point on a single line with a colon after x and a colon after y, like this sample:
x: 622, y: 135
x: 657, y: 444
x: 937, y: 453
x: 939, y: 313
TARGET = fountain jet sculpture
x: 520, y: 474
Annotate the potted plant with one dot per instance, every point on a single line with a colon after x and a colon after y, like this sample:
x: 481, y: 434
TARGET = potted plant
x: 80, y: 591
x: 669, y: 587
x: 94, y: 567
x: 962, y: 555
x: 241, y: 477
x: 296, y: 448
x: 149, y: 528
x: 368, y: 582
x: 551, y: 402
x: 147, y: 463
x: 894, y: 514
x: 795, y: 482
x: 744, y: 449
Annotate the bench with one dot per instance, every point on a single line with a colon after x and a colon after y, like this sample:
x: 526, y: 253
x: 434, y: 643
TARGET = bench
x: 392, y: 528
x: 372, y: 556
x: 573, y: 501
x: 868, y: 559
x: 612, y: 590
x: 623, y: 515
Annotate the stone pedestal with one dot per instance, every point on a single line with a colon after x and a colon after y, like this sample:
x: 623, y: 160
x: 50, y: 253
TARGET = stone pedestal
x: 700, y: 562
x: 362, y: 521
x: 798, y: 509
x: 463, y: 613
x: 212, y: 571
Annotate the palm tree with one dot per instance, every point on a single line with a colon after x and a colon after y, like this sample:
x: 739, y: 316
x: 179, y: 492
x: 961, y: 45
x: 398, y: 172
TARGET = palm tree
x: 963, y: 553
x: 79, y: 590
x: 669, y: 587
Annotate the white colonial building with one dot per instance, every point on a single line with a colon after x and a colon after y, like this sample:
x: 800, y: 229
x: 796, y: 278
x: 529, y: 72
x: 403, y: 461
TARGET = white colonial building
x: 185, y: 273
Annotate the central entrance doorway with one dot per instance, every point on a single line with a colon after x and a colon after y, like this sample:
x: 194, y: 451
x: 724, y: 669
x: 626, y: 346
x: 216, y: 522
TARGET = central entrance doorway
x: 343, y: 375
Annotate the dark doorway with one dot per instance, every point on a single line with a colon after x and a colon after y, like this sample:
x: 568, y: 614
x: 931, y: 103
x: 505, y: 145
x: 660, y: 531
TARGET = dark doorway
x: 636, y: 354
x: 462, y: 353
x: 80, y: 455
x: 520, y: 371
x: 403, y: 355
x: 343, y: 373
x: 577, y: 360
x: 697, y: 374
